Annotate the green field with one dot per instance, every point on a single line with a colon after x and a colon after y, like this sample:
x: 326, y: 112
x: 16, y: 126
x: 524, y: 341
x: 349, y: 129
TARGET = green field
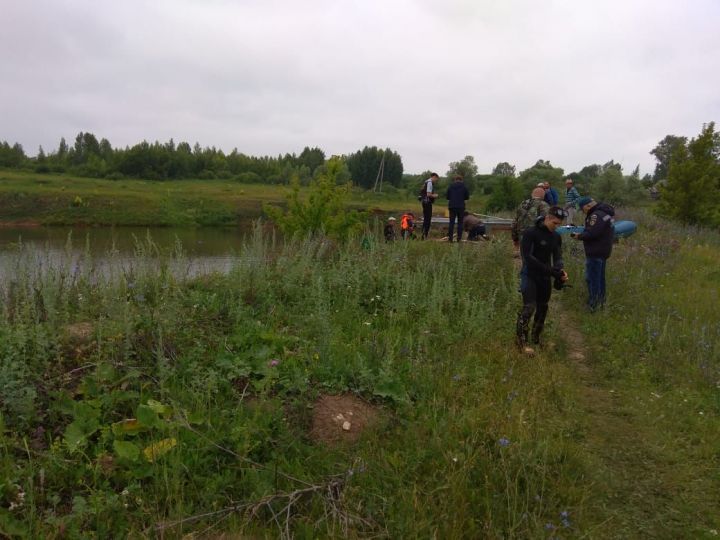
x: 145, y: 406
x: 62, y: 200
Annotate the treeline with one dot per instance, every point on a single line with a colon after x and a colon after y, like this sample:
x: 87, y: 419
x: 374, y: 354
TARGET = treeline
x: 686, y: 178
x: 95, y: 158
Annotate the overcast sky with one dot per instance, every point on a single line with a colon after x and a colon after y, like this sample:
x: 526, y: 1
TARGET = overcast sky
x: 570, y: 81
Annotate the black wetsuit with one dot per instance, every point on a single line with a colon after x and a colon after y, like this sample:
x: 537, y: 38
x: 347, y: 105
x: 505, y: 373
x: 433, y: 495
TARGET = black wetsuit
x: 541, y: 252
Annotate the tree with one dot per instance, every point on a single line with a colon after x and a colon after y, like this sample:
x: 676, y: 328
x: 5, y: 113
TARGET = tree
x: 609, y: 186
x: 507, y: 193
x: 312, y: 158
x: 692, y: 191
x: 466, y: 168
x: 364, y: 166
x: 542, y: 171
x: 663, y: 153
x: 62, y: 149
x: 321, y: 208
x: 504, y: 169
x: 12, y: 156
x: 86, y: 144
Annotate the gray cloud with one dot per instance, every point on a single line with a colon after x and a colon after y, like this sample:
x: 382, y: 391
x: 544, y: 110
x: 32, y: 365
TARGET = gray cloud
x: 518, y: 80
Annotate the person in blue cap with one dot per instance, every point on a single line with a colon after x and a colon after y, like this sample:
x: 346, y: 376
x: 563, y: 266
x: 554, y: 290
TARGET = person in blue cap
x: 597, y: 239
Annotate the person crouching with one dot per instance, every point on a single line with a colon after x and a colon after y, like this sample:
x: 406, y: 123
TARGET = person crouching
x: 474, y: 226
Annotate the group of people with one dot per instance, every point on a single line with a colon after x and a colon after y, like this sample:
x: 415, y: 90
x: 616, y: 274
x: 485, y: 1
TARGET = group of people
x: 536, y: 240
x: 407, y: 227
x: 540, y: 246
x: 457, y: 193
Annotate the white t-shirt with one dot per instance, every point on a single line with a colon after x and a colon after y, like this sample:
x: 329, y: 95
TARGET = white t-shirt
x: 429, y: 185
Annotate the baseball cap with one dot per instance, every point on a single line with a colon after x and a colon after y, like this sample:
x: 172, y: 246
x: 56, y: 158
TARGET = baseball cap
x: 582, y: 201
x: 557, y: 211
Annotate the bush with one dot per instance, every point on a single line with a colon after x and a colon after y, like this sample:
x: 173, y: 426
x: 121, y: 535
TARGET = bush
x: 248, y: 178
x: 207, y: 175
x: 323, y: 210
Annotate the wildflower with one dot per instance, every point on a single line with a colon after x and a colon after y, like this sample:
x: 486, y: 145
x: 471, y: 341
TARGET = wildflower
x: 367, y: 323
x: 274, y: 363
x: 504, y: 442
x: 511, y: 396
x: 456, y: 377
x: 565, y: 518
x: 549, y: 526
x: 139, y: 297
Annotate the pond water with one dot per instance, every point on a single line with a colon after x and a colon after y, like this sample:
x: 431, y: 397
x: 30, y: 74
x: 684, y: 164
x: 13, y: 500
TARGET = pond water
x: 188, y: 251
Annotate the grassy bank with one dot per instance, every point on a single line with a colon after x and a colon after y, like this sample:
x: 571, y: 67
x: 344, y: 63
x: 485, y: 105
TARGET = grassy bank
x: 63, y: 200
x: 140, y: 404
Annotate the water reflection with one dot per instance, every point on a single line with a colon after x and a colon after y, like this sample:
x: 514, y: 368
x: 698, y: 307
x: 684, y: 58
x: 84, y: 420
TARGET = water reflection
x: 105, y: 251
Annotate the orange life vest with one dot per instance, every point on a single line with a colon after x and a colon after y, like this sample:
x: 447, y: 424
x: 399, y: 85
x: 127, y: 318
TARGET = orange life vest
x: 407, y: 222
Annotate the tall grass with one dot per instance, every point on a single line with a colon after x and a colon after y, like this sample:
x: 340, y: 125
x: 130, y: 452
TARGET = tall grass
x: 221, y: 372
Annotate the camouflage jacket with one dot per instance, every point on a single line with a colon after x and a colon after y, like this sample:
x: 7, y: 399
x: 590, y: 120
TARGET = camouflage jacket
x: 525, y: 216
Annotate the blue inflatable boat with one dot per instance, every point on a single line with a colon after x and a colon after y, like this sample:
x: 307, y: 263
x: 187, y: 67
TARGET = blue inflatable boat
x: 623, y: 229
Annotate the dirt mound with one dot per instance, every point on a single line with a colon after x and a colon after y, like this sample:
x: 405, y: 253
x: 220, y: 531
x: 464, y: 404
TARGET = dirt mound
x: 79, y: 333
x: 341, y: 418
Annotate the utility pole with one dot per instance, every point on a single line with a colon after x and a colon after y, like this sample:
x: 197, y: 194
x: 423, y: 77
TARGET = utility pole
x: 380, y: 175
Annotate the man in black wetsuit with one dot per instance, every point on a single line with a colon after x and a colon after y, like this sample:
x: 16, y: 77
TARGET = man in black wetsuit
x: 541, y: 252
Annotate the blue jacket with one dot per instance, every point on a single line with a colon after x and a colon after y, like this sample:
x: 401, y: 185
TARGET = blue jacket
x: 551, y: 196
x: 457, y: 194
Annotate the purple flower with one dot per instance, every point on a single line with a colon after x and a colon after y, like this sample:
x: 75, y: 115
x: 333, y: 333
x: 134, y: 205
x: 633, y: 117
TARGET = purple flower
x: 565, y: 518
x: 274, y: 362
x: 504, y: 442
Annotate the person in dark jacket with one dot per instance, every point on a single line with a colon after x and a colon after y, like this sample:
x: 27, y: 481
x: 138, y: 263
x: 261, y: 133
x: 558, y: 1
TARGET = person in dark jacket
x: 551, y: 194
x: 597, y: 239
x: 457, y: 194
x: 541, y: 252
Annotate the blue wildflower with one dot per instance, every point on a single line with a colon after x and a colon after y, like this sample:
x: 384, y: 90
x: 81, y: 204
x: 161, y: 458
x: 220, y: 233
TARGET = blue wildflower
x: 504, y: 442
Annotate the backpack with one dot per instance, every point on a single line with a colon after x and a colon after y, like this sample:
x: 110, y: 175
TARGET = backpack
x: 422, y: 194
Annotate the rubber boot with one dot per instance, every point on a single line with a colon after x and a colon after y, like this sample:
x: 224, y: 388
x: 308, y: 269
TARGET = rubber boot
x: 522, y: 335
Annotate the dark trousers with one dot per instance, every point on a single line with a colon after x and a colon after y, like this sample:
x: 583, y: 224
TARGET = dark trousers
x: 595, y: 278
x: 456, y: 213
x: 476, y: 231
x: 536, y: 295
x: 427, y: 218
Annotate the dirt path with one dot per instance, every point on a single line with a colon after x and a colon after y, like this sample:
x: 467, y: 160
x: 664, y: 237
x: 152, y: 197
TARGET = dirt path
x: 631, y: 493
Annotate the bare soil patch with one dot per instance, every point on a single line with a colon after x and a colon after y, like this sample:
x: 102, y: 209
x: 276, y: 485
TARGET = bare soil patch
x: 342, y: 418
x: 79, y: 333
